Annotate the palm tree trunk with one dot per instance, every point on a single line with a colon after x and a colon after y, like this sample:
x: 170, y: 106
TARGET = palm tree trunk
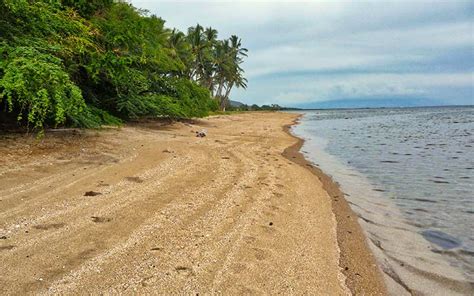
x: 224, y: 98
x: 227, y: 92
x: 219, y: 89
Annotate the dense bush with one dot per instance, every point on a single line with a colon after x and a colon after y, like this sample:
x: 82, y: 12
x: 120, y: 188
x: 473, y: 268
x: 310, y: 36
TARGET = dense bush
x: 36, y: 86
x: 88, y: 63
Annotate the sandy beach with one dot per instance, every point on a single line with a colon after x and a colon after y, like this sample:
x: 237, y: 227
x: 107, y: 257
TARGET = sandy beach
x: 151, y: 208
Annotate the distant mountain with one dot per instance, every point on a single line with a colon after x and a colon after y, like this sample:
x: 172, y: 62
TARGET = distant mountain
x: 236, y: 103
x: 370, y: 103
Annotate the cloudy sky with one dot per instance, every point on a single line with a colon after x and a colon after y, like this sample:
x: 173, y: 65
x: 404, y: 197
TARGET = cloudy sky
x: 412, y: 52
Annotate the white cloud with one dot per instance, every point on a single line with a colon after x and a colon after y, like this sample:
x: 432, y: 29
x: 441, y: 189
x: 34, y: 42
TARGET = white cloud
x: 356, y: 86
x: 379, y: 39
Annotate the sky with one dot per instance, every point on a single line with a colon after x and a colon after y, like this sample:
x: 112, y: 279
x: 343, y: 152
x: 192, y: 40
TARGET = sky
x: 371, y: 53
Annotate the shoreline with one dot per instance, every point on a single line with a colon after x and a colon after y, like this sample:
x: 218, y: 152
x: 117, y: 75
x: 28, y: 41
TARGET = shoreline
x: 408, y: 262
x: 124, y: 212
x: 355, y: 255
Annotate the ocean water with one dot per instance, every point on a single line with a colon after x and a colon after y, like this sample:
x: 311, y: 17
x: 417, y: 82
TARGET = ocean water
x: 409, y: 175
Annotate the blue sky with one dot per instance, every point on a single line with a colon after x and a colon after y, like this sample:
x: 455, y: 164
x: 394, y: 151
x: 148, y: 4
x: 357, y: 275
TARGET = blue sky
x: 302, y: 53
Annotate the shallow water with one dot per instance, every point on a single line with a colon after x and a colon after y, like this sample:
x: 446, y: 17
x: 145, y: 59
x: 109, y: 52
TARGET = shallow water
x: 414, y: 166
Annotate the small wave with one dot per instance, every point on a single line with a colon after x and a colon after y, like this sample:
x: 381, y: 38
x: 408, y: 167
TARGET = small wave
x: 455, y: 253
x: 439, y: 182
x: 424, y: 200
x: 421, y: 210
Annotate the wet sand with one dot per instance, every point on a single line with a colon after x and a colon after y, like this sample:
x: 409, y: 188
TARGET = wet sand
x: 150, y: 208
x: 358, y: 264
x: 387, y: 195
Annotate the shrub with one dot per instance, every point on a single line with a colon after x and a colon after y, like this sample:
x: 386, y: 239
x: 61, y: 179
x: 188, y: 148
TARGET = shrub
x: 36, y: 87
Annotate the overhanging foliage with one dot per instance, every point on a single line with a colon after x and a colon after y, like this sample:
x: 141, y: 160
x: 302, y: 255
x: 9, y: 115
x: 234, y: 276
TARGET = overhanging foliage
x: 88, y: 63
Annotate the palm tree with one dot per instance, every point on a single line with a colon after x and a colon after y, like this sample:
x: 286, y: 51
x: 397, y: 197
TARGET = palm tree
x: 215, y: 64
x: 210, y: 37
x: 181, y: 50
x: 234, y: 73
x: 195, y: 39
x: 223, y: 66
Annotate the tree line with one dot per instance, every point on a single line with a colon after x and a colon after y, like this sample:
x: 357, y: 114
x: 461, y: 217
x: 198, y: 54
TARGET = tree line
x: 255, y: 107
x: 88, y: 63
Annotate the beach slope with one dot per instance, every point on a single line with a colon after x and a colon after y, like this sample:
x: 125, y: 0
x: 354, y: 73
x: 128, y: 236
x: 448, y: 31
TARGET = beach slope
x: 151, y: 208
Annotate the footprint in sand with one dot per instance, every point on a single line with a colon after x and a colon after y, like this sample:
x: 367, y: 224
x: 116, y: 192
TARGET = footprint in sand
x: 100, y: 219
x: 244, y: 290
x: 238, y: 267
x: 49, y: 226
x: 92, y: 193
x: 249, y: 239
x: 269, y: 228
x: 184, y: 270
x: 274, y: 208
x: 134, y: 179
x: 5, y: 248
x: 261, y: 254
x: 86, y: 254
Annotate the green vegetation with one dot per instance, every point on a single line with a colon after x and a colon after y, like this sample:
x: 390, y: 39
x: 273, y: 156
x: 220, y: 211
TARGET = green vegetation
x: 255, y: 107
x: 88, y: 63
